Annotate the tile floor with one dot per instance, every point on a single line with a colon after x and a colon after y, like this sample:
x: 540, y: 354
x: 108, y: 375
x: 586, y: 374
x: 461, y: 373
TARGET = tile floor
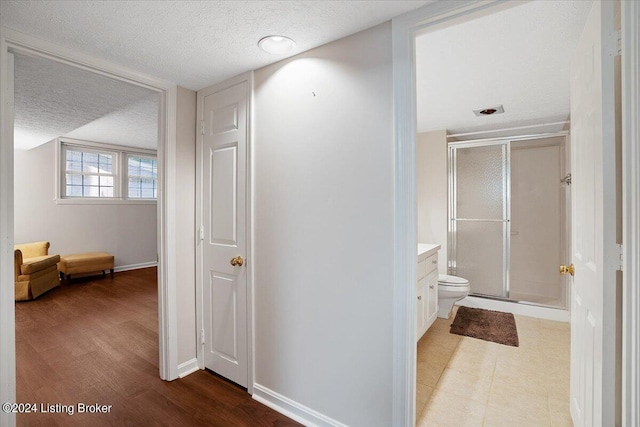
x: 464, y: 381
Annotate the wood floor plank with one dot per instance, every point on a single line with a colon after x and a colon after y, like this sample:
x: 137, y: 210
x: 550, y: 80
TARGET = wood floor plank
x: 95, y: 341
x: 37, y: 373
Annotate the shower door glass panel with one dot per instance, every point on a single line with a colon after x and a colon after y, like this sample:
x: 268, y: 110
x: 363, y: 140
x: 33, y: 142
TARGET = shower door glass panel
x: 479, y: 216
x: 537, y: 237
x: 480, y: 182
x: 480, y: 250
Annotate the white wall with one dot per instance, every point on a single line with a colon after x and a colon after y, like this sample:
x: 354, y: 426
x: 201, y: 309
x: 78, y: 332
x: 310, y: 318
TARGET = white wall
x: 185, y: 226
x: 431, y: 191
x: 324, y: 228
x: 126, y: 231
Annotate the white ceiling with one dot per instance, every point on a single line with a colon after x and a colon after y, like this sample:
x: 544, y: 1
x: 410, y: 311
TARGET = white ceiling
x: 53, y: 99
x: 192, y: 43
x: 518, y: 56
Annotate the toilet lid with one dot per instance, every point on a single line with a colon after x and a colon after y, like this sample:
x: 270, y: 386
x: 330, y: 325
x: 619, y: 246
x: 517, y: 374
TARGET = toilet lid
x: 449, y: 280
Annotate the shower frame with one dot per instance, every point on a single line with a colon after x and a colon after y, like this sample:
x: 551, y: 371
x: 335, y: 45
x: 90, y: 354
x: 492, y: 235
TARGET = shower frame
x: 452, y: 219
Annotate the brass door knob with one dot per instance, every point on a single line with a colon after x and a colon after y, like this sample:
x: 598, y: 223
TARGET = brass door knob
x: 237, y: 261
x: 564, y: 269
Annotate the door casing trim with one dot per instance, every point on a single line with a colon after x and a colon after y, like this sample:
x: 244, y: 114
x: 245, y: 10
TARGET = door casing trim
x: 404, y: 30
x: 630, y: 48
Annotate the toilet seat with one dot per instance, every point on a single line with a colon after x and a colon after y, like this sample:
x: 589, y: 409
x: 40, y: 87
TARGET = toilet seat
x: 448, y: 280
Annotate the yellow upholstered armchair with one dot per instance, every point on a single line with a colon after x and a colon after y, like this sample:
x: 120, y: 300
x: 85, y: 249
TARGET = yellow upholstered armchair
x: 35, y: 270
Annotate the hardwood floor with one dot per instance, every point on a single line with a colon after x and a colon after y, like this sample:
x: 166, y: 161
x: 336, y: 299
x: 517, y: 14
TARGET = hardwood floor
x: 95, y: 341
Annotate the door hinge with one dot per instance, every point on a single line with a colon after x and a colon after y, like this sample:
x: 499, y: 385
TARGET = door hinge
x: 619, y: 42
x: 201, y: 233
x: 201, y: 336
x: 202, y: 127
x: 621, y: 257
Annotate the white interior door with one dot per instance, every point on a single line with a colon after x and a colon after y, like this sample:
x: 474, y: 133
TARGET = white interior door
x: 223, y: 233
x: 593, y: 222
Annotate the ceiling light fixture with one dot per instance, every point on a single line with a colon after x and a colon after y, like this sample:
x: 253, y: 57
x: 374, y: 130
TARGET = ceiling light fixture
x: 276, y: 45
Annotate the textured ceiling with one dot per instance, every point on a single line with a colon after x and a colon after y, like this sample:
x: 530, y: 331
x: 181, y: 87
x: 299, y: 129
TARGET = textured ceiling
x: 518, y: 56
x: 135, y: 125
x: 193, y: 43
x: 54, y: 99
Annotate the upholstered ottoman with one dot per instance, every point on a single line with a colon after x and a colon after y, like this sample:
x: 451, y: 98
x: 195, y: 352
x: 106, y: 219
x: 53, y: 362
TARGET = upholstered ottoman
x: 89, y: 262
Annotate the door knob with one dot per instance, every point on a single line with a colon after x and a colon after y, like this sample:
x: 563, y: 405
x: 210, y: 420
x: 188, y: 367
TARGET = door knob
x: 564, y: 269
x: 237, y: 261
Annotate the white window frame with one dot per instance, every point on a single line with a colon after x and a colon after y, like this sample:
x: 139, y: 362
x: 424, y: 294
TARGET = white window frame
x: 126, y: 176
x: 120, y: 169
x: 115, y: 168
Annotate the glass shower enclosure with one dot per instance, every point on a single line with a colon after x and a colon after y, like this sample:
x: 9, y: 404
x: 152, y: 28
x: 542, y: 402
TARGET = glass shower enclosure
x: 506, y: 218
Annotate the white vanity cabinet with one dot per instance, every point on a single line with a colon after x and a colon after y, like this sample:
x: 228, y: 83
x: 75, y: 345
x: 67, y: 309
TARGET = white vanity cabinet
x: 427, y: 288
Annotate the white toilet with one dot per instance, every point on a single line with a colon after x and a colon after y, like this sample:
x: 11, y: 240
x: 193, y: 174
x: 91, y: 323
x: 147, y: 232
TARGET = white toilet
x: 450, y: 290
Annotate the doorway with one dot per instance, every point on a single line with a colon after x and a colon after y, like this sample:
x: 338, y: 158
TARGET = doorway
x: 407, y: 28
x: 98, y: 136
x: 11, y: 44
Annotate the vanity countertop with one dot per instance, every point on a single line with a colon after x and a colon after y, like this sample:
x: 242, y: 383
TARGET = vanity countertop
x: 426, y: 250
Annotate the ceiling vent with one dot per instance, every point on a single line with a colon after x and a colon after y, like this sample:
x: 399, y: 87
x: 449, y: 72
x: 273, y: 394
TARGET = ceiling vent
x: 488, y: 111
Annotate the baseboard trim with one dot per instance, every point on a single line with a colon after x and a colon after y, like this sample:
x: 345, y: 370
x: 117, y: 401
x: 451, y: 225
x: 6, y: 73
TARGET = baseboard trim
x: 292, y: 409
x: 135, y: 266
x: 188, y: 367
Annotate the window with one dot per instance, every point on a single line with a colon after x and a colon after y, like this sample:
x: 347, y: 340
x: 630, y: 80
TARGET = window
x: 94, y: 172
x: 89, y: 173
x: 142, y: 177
